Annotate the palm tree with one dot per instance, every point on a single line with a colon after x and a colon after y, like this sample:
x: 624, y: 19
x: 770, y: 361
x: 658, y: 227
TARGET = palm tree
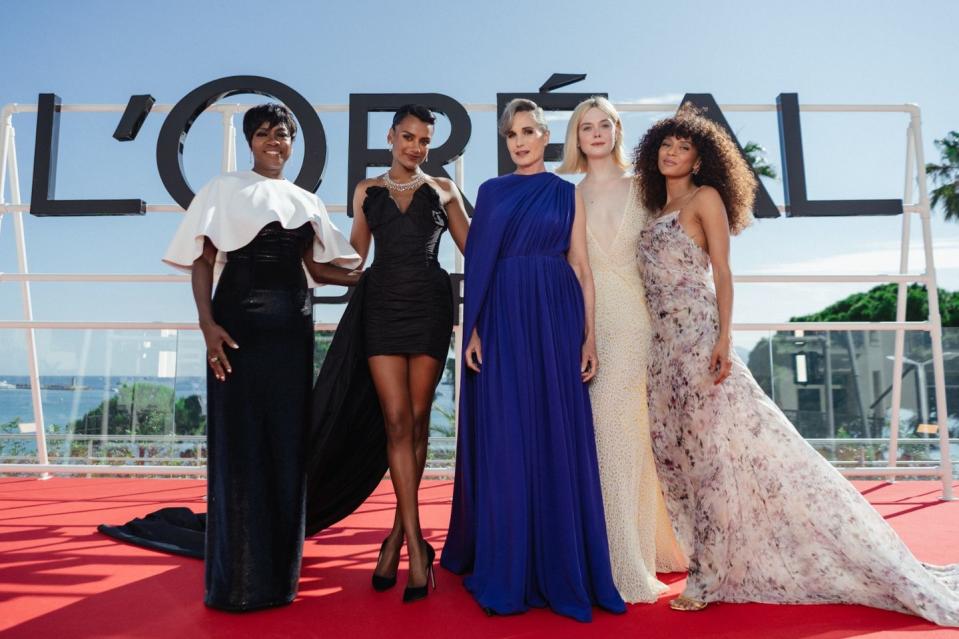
x: 756, y: 157
x: 946, y: 176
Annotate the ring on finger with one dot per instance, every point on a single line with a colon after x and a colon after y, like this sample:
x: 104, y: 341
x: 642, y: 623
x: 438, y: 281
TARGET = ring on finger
x: 214, y: 359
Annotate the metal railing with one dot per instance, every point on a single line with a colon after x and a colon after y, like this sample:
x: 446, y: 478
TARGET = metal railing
x: 915, y: 179
x: 100, y: 458
x: 439, y: 464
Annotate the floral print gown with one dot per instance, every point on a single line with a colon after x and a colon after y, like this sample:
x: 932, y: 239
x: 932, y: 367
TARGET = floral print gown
x: 761, y: 515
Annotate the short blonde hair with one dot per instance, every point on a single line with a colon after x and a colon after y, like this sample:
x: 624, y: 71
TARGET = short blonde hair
x: 574, y: 160
x: 521, y: 105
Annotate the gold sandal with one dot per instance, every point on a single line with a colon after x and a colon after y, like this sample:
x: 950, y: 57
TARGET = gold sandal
x: 687, y: 604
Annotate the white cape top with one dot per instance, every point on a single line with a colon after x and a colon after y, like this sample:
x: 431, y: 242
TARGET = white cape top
x: 232, y: 208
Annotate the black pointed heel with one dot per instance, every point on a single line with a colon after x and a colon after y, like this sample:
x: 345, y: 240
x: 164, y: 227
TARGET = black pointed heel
x: 383, y: 583
x: 415, y: 593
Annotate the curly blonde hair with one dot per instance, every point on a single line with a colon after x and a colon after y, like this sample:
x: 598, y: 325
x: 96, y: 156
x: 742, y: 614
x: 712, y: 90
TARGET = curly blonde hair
x: 721, y: 165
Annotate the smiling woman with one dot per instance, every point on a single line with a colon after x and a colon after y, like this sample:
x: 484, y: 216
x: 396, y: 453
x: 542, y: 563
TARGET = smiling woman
x: 527, y: 515
x: 526, y: 130
x: 272, y: 140
x: 398, y: 326
x: 761, y: 514
x: 263, y: 232
x: 641, y: 540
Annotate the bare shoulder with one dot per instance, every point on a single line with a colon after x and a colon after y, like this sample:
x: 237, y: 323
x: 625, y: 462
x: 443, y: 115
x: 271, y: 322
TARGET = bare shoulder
x: 364, y: 184
x: 707, y: 202
x: 444, y: 187
x: 707, y: 195
x: 709, y: 210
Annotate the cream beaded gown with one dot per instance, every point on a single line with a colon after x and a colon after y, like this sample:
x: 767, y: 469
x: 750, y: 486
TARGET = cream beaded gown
x: 641, y: 540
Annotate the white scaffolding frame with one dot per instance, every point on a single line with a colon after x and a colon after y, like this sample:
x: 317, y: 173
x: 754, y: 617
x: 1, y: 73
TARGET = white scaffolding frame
x: 915, y: 181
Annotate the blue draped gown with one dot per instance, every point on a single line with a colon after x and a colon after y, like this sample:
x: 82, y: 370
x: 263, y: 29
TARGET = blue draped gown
x: 527, y: 519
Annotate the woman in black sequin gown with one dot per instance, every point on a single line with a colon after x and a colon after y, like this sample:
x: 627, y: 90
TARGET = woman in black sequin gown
x: 258, y: 389
x: 407, y: 320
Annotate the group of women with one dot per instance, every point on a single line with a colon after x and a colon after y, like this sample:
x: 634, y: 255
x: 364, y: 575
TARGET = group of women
x: 607, y: 431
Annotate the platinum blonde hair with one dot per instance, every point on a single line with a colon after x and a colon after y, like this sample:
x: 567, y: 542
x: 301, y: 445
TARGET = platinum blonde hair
x: 521, y: 105
x: 574, y: 160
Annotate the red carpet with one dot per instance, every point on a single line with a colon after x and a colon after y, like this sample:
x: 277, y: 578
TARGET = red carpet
x: 61, y: 579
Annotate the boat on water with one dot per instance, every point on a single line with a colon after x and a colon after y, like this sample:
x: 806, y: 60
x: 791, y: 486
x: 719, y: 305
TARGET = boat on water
x: 5, y: 385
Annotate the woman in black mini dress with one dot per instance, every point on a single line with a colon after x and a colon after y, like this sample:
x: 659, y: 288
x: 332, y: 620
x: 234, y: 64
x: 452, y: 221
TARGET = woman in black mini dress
x: 407, y: 320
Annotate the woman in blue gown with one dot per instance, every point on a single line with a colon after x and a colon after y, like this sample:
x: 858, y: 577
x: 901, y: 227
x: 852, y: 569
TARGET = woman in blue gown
x: 527, y: 519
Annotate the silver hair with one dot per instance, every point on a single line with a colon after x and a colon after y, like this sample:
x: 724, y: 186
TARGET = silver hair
x: 522, y: 105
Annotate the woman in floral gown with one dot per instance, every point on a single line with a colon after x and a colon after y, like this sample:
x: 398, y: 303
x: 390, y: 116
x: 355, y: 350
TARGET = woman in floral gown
x: 762, y: 516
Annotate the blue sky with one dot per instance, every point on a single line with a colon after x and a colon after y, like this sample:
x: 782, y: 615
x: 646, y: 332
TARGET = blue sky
x: 96, y: 52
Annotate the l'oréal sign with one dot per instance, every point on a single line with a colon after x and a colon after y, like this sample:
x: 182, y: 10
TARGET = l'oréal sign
x: 173, y: 134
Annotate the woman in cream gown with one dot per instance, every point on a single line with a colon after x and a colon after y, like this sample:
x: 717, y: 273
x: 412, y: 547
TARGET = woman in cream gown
x: 641, y: 539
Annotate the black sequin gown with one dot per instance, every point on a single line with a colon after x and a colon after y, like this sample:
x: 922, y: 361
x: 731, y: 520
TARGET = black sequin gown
x: 257, y: 423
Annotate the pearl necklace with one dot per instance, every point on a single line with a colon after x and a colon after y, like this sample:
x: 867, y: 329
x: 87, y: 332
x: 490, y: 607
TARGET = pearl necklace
x: 391, y: 184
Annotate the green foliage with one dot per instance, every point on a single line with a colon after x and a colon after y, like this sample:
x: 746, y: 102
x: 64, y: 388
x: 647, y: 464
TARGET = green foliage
x: 446, y: 428
x: 188, y: 416
x: 756, y: 157
x: 758, y: 363
x: 14, y: 449
x: 144, y: 408
x: 946, y: 176
x: 321, y: 344
x: 879, y: 305
x: 11, y: 426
